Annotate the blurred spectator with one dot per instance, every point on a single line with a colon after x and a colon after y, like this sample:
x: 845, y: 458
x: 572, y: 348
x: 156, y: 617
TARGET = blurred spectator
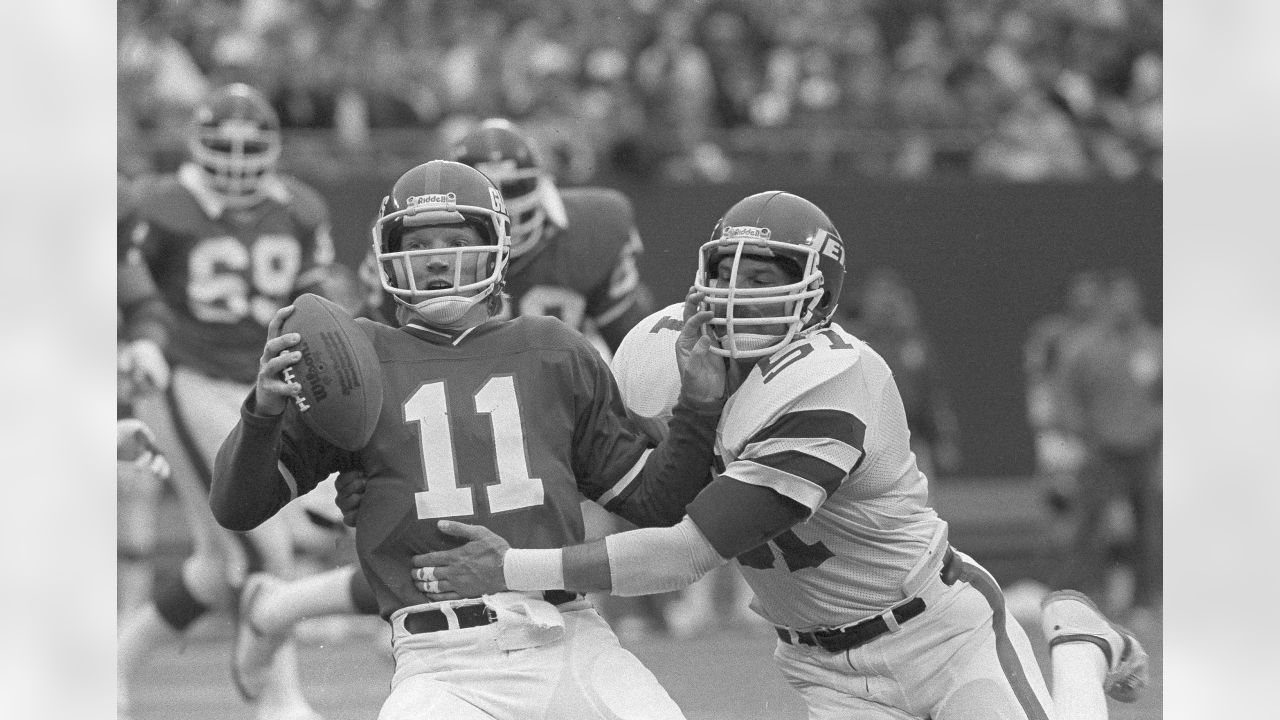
x: 889, y: 321
x: 1113, y: 401
x: 1052, y: 340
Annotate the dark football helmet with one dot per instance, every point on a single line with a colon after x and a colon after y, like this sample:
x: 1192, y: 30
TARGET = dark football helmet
x: 501, y: 151
x: 773, y: 225
x: 235, y: 139
x: 442, y: 192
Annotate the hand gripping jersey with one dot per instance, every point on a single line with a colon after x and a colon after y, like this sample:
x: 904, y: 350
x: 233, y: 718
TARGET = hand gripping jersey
x: 506, y: 426
x: 224, y: 271
x: 819, y: 422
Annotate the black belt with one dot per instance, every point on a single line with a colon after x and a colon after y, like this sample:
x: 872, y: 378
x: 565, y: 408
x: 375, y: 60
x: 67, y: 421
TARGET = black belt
x: 434, y: 620
x: 847, y: 638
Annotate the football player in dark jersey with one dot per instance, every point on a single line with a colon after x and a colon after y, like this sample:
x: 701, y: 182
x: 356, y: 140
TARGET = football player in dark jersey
x: 573, y: 257
x: 506, y: 423
x: 224, y: 241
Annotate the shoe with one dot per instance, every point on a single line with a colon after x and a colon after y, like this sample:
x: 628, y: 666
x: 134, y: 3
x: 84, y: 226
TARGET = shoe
x: 252, y: 649
x: 1070, y: 616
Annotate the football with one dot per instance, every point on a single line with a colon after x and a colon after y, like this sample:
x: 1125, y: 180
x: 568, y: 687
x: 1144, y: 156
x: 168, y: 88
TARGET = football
x: 339, y: 373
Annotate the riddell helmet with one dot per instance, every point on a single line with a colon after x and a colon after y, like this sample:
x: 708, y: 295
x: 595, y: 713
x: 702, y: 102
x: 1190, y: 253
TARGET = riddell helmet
x: 442, y: 192
x: 235, y: 139
x: 499, y: 150
x: 771, y: 224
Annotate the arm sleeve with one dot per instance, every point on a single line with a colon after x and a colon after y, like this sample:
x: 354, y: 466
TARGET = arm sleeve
x: 636, y: 562
x: 264, y: 463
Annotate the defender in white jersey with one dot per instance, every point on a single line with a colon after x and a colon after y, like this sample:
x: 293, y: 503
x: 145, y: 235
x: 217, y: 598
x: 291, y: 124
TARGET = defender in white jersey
x: 818, y: 498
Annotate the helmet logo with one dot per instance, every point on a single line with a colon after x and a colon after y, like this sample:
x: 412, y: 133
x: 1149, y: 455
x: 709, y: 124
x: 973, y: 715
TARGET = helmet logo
x: 828, y: 245
x: 495, y: 199
x: 414, y: 201
x: 745, y: 232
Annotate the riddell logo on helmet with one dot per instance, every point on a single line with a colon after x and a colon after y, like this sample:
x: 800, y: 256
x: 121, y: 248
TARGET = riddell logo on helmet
x: 415, y: 200
x: 745, y: 232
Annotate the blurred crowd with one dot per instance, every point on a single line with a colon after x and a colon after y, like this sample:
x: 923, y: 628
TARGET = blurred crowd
x: 678, y: 89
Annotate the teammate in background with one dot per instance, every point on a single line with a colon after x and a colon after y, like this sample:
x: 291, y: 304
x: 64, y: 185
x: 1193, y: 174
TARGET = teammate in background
x: 225, y: 241
x: 573, y: 256
x: 819, y: 499
x: 1113, y: 401
x: 889, y: 321
x: 462, y: 388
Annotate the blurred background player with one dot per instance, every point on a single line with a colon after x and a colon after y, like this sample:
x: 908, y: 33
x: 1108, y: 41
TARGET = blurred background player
x: 225, y: 240
x: 573, y: 257
x: 888, y: 319
x: 1052, y: 340
x: 1113, y: 402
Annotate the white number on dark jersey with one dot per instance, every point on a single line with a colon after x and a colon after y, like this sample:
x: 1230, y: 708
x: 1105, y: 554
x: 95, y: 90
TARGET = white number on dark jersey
x: 228, y: 282
x: 442, y: 496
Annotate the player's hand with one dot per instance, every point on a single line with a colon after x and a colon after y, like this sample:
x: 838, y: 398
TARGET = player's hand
x: 471, y: 570
x: 136, y: 445
x: 141, y: 368
x: 703, y: 374
x: 271, y: 393
x: 350, y: 486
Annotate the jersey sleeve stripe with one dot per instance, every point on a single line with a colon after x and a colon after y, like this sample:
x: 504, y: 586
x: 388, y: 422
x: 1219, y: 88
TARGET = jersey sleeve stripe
x: 832, y: 451
x: 621, y: 486
x: 796, y: 487
x: 829, y: 423
x: 289, y: 480
x: 803, y: 465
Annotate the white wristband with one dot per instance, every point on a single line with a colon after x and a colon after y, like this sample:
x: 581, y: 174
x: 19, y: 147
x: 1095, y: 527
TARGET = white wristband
x: 524, y: 569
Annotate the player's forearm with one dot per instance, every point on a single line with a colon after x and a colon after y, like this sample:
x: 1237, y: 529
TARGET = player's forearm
x: 676, y: 470
x: 247, y: 485
x: 637, y: 562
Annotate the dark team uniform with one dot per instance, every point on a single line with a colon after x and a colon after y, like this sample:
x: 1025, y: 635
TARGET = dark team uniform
x: 224, y: 271
x: 506, y: 426
x: 582, y: 273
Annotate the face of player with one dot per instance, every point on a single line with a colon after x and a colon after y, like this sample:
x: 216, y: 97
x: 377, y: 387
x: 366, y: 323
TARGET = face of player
x: 754, y: 273
x: 443, y: 270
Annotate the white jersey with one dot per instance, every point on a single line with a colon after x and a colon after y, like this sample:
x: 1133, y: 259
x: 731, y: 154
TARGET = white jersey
x: 820, y: 422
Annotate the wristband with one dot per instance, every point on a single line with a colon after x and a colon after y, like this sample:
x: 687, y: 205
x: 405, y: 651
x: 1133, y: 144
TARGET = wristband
x: 524, y: 569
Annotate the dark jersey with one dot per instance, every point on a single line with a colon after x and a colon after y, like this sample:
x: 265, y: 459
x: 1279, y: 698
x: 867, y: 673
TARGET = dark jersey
x: 586, y: 271
x: 223, y: 272
x: 508, y: 426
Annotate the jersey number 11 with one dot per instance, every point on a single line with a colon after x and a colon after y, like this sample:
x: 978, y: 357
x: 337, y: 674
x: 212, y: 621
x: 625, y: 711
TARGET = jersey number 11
x: 443, y: 497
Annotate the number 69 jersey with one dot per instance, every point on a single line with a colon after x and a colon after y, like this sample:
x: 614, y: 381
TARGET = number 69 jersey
x: 819, y: 422
x: 222, y: 270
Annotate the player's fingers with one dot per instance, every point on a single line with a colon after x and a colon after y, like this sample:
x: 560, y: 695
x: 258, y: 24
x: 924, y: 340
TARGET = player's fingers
x: 277, y: 364
x: 439, y: 558
x: 277, y: 345
x: 349, y: 518
x: 424, y: 574
x: 273, y: 327
x: 350, y: 502
x: 462, y: 530
x: 692, y: 302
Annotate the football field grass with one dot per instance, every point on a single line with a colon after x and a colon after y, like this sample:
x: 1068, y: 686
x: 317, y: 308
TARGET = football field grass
x: 722, y: 676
